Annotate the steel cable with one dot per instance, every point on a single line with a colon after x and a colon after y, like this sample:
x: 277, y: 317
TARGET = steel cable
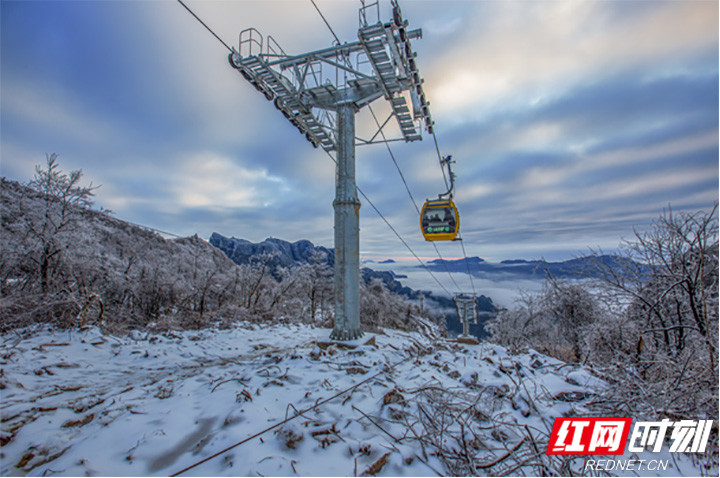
x: 407, y: 246
x: 412, y: 198
x: 297, y: 414
x: 207, y: 27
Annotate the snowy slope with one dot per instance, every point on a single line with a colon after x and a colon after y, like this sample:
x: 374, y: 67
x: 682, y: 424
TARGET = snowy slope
x: 80, y: 403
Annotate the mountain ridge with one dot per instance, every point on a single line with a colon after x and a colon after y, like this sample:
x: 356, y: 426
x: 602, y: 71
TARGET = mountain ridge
x: 576, y: 268
x: 283, y: 253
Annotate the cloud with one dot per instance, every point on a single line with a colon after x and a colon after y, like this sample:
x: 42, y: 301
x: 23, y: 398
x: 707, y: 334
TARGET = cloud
x: 44, y: 109
x: 520, y: 52
x: 571, y: 122
x: 210, y: 179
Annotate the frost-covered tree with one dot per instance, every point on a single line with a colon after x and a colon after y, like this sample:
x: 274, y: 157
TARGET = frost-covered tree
x: 39, y: 226
x: 649, y: 325
x: 379, y: 307
x: 553, y: 321
x: 50, y: 227
x: 318, y: 284
x: 669, y: 326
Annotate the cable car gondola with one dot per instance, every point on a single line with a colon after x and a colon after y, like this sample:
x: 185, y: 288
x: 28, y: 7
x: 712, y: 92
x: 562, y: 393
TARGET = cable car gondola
x: 439, y: 218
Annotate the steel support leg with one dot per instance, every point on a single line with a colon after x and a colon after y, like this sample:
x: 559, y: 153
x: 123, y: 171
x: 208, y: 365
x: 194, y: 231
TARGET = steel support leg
x: 347, y: 231
x: 466, y: 323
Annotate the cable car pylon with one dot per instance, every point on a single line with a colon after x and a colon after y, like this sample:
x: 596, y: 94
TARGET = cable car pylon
x: 467, y: 310
x: 319, y: 93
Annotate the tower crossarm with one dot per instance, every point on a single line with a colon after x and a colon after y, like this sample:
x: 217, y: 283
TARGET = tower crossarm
x: 308, y: 88
x: 388, y: 49
x: 286, y: 97
x: 346, y: 49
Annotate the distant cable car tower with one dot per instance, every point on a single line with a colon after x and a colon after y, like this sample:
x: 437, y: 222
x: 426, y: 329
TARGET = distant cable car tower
x: 319, y: 93
x: 467, y: 310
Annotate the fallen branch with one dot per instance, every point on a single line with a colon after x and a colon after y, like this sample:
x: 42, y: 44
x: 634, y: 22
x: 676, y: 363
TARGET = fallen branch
x: 378, y: 465
x: 542, y: 468
x: 325, y: 431
x: 79, y: 423
x: 483, y: 466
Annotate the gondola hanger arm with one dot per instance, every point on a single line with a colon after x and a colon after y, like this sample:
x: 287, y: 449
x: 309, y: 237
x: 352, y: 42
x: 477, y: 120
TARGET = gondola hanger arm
x: 447, y: 162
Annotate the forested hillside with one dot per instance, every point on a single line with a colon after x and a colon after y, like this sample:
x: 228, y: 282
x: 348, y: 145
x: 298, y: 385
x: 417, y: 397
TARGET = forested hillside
x: 68, y: 264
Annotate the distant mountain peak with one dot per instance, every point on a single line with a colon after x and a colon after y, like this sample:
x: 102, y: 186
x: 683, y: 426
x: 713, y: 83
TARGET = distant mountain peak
x: 285, y: 254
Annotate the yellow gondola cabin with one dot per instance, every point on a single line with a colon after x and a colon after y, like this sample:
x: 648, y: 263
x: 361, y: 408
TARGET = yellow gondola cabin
x: 439, y: 220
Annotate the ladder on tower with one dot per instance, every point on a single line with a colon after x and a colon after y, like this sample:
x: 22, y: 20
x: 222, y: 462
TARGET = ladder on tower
x: 285, y: 97
x: 374, y: 41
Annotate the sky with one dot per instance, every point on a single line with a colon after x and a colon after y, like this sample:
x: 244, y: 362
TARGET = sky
x: 572, y: 123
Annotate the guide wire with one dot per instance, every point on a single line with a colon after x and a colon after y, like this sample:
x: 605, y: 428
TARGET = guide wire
x: 326, y: 22
x: 207, y: 27
x: 392, y: 156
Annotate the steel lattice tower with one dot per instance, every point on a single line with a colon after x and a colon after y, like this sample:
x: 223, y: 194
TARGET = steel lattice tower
x: 319, y: 93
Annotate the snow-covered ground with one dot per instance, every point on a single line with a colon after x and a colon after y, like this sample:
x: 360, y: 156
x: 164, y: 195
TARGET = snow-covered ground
x: 78, y: 403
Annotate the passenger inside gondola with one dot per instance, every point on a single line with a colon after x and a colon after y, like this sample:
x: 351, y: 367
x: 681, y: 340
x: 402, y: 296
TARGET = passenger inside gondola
x: 439, y: 220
